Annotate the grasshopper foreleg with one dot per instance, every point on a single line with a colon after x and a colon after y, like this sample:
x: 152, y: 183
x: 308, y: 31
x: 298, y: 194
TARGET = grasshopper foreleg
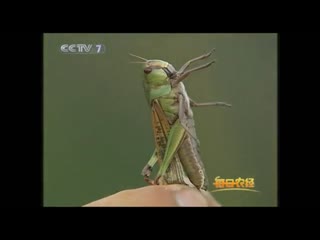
x: 182, y: 73
x: 186, y: 65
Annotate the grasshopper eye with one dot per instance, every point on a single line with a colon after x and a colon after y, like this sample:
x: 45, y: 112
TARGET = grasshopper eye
x: 147, y: 70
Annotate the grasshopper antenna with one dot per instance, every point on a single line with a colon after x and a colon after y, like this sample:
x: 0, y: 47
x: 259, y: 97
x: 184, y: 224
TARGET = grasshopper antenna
x: 141, y: 58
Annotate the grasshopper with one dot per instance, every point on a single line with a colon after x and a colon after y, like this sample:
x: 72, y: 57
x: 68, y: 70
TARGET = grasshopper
x: 177, y: 145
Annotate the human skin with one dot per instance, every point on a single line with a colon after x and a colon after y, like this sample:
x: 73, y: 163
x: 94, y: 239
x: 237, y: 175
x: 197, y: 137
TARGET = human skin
x: 158, y: 196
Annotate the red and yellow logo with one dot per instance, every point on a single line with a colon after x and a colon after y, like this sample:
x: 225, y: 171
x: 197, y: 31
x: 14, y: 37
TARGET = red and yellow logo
x: 230, y: 184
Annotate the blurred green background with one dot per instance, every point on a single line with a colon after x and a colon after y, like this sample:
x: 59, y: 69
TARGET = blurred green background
x: 97, y: 124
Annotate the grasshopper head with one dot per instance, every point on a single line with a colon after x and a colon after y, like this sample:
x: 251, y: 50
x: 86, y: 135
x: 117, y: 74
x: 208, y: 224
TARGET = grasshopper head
x: 157, y: 72
x: 157, y: 77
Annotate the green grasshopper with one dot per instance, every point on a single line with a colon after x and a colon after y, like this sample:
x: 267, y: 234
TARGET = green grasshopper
x: 177, y: 145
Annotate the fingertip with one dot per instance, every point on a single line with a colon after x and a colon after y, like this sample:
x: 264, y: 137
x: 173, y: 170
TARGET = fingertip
x: 158, y: 196
x: 212, y: 202
x: 190, y: 198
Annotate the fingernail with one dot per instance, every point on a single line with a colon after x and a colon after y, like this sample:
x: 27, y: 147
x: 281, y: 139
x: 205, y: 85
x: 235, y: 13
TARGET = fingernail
x: 190, y: 198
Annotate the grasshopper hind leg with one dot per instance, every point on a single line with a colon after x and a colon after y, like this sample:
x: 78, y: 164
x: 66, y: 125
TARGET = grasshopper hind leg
x: 147, y: 170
